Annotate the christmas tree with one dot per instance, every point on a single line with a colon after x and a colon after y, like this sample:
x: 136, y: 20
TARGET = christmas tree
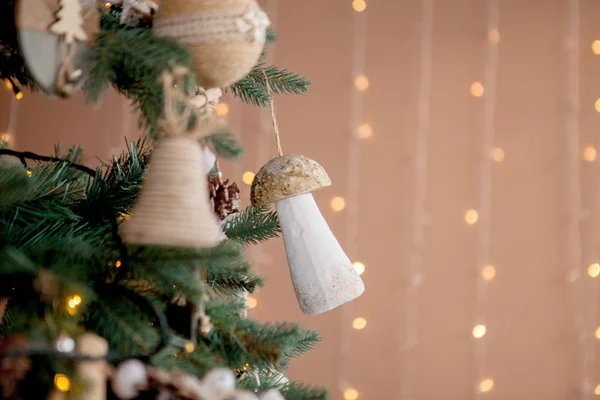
x: 86, y: 314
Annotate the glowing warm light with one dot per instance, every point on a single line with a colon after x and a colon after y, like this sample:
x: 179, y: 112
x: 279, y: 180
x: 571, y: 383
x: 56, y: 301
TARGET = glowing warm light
x: 596, y: 46
x: 359, y: 5
x: 589, y: 153
x: 477, y: 89
x: 5, y: 138
x: 248, y: 177
x: 359, y: 323
x: 594, y: 270
x: 222, y: 109
x: 597, y: 333
x: 19, y: 96
x: 62, y: 382
x: 361, y: 82
x: 118, y: 264
x: 597, y: 390
x: 7, y: 84
x: 497, y: 154
x: 359, y: 267
x: 107, y: 5
x: 28, y: 172
x: 74, y: 301
x: 350, y: 394
x: 365, y: 131
x: 479, y: 331
x: 597, y: 105
x: 486, y: 385
x: 471, y: 216
x: 338, y: 203
x: 494, y: 36
x: 189, y: 347
x: 252, y: 302
x: 488, y: 272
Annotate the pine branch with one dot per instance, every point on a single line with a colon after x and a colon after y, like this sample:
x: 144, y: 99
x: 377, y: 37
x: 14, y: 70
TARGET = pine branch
x: 125, y: 324
x: 298, y: 391
x: 131, y: 59
x: 24, y: 155
x: 306, y: 343
x: 253, y: 88
x: 253, y: 225
x: 224, y: 144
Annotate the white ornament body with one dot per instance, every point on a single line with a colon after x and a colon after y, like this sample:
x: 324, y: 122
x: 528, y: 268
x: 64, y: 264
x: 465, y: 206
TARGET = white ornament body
x: 219, y: 381
x: 245, y: 396
x: 129, y: 378
x: 271, y: 395
x: 322, y: 274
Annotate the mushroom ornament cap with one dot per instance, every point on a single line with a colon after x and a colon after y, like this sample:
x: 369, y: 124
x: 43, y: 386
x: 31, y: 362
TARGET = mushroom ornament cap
x: 287, y: 176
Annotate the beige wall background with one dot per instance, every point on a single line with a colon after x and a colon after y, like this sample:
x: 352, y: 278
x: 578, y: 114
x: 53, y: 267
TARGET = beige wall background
x: 541, y: 307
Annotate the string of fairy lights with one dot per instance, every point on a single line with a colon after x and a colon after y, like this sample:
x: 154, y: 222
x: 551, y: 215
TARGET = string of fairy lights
x: 8, y: 136
x: 420, y: 216
x: 359, y: 130
x: 485, y: 269
x: 575, y: 258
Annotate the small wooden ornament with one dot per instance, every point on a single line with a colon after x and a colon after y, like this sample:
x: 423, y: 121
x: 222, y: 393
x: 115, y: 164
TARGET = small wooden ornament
x: 56, y: 38
x: 94, y: 372
x: 225, y: 37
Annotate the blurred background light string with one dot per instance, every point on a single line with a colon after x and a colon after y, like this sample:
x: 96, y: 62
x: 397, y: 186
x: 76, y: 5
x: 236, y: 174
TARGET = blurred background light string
x: 360, y: 85
x: 575, y: 260
x: 420, y: 216
x: 484, y: 228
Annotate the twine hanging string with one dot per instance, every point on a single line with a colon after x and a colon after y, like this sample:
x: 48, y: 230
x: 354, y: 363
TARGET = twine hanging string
x: 273, y: 116
x: 179, y: 107
x: 67, y: 70
x: 175, y: 122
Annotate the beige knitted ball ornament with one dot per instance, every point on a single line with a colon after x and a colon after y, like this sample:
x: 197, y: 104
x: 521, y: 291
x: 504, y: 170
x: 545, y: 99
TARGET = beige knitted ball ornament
x: 225, y: 37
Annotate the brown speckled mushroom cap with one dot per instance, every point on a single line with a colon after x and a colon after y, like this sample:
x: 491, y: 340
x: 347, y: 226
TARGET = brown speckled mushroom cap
x: 287, y: 176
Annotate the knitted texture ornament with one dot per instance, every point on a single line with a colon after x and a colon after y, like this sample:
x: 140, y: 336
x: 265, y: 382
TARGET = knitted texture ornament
x: 173, y: 207
x: 225, y: 37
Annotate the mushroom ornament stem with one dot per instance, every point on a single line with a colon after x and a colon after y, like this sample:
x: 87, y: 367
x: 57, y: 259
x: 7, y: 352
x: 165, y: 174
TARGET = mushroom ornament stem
x: 322, y: 273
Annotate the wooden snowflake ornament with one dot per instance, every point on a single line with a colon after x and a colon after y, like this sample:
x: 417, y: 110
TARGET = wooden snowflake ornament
x: 70, y: 22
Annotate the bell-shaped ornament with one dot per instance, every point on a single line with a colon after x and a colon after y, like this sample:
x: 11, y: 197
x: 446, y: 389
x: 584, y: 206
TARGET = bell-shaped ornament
x: 173, y: 208
x: 322, y: 274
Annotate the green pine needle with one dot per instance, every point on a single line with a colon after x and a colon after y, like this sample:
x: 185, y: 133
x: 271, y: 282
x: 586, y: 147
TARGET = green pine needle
x: 253, y: 88
x: 224, y: 144
x: 253, y: 225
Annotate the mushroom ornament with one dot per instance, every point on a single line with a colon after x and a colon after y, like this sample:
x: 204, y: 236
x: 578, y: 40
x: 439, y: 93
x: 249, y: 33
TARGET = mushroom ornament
x: 322, y: 274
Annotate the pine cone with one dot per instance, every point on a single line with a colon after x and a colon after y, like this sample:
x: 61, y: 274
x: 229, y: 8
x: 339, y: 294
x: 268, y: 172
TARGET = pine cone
x: 224, y: 197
